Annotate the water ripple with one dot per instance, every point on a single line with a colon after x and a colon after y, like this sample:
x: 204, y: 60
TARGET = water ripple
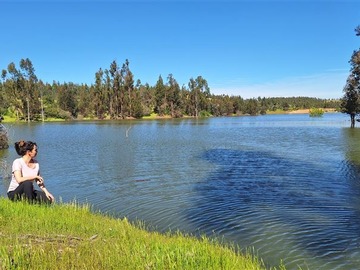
x: 286, y: 186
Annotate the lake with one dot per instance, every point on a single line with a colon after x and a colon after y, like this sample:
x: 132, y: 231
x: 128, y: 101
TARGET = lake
x: 287, y: 186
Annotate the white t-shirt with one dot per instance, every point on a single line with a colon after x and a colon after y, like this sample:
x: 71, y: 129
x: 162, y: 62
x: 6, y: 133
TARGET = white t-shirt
x: 20, y: 165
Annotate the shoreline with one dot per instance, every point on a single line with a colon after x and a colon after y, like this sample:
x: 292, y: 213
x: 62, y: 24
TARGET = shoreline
x: 156, y: 117
x: 303, y: 111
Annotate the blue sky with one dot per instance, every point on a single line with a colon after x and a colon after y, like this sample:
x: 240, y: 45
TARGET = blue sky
x: 247, y: 48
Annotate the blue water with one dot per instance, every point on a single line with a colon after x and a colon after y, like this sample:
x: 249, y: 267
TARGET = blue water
x: 287, y: 186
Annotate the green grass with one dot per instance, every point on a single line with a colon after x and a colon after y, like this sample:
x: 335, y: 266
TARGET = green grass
x: 71, y: 236
x: 155, y: 116
x: 9, y: 119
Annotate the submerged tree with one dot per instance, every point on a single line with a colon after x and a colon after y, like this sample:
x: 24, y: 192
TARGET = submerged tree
x: 350, y: 100
x: 350, y: 103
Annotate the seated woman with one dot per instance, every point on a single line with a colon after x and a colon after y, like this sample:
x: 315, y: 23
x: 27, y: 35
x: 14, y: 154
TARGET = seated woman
x: 25, y: 171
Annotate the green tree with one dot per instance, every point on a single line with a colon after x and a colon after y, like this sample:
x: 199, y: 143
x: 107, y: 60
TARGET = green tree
x: 67, y: 100
x: 351, y: 100
x: 129, y: 94
x: 51, y: 100
x: 174, y: 97
x: 4, y: 100
x: 200, y: 93
x: 114, y: 95
x: 239, y: 105
x: 252, y: 106
x: 84, y: 99
x: 100, y: 95
x: 160, y: 97
x: 263, y: 105
x: 147, y: 99
x: 14, y: 86
x: 137, y: 107
x: 21, y: 89
x: 29, y: 83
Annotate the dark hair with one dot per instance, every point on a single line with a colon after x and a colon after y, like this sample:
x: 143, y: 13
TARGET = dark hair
x: 22, y: 147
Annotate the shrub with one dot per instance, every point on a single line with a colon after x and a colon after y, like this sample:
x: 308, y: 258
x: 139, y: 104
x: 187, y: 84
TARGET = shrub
x: 316, y: 112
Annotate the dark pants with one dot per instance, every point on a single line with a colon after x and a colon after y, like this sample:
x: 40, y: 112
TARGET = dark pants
x: 25, y: 191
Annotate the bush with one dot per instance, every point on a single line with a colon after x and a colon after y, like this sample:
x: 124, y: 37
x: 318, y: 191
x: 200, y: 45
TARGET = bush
x: 316, y: 112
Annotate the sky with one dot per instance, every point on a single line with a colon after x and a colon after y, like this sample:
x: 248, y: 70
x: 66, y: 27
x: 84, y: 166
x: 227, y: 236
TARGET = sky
x: 260, y: 48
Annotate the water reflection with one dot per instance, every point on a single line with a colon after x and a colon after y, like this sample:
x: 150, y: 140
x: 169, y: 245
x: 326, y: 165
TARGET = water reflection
x: 300, y: 210
x: 351, y: 138
x: 351, y: 166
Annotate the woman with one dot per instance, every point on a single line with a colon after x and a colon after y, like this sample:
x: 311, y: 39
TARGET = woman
x: 26, y: 170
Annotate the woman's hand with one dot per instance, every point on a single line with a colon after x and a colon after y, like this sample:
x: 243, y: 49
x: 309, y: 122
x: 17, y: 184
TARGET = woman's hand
x: 39, y: 180
x: 49, y: 196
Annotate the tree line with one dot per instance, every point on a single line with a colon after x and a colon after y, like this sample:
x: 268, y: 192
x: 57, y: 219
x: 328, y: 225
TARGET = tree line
x: 350, y: 102
x: 115, y: 95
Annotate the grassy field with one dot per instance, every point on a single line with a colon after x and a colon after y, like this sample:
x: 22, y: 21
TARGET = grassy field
x: 71, y: 236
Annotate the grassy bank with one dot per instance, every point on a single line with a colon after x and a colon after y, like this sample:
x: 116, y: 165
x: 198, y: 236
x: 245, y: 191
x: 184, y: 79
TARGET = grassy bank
x: 69, y: 236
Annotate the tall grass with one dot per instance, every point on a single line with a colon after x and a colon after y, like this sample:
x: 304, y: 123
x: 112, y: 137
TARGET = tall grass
x: 71, y: 236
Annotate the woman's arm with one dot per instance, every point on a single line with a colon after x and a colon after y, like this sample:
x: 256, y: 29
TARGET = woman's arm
x: 41, y: 185
x: 47, y: 193
x: 19, y: 178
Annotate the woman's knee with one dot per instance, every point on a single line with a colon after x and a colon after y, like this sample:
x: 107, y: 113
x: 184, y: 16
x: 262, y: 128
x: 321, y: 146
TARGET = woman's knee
x: 27, y: 185
x: 27, y: 190
x: 11, y: 195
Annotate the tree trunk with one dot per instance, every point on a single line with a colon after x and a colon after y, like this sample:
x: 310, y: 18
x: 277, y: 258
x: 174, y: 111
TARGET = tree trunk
x: 352, y: 116
x: 28, y: 109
